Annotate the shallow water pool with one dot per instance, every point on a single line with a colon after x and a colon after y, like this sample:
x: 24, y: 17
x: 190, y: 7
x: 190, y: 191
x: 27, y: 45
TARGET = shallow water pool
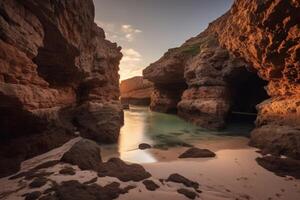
x: 163, y: 131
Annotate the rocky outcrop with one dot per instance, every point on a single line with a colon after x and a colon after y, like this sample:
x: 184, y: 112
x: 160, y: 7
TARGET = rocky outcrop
x: 207, y: 69
x: 245, y: 60
x: 136, y: 91
x: 55, y: 62
x: 86, y: 154
x: 167, y: 76
x: 165, y: 97
x: 267, y: 35
x: 280, y: 166
x: 209, y: 98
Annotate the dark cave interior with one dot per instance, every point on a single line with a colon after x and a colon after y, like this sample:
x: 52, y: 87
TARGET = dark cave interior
x: 247, y: 90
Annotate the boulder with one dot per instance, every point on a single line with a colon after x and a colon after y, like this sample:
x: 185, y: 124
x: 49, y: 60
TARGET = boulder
x: 278, y: 140
x: 280, y: 166
x: 85, y: 154
x: 99, y: 121
x: 115, y: 167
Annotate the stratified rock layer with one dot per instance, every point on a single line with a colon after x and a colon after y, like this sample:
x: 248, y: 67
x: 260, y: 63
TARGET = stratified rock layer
x: 247, y: 58
x: 167, y: 76
x: 55, y: 62
x: 267, y: 35
x: 136, y: 91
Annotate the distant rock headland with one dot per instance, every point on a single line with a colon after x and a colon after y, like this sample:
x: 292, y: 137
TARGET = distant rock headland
x: 136, y: 91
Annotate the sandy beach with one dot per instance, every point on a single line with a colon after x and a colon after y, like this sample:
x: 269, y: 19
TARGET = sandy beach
x: 232, y: 174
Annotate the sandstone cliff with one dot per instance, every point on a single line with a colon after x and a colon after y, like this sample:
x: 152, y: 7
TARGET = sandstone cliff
x: 267, y: 35
x: 248, y: 57
x: 58, y: 75
x: 136, y: 91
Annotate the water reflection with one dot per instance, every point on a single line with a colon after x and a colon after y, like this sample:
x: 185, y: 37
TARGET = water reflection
x: 133, y: 133
x: 161, y: 131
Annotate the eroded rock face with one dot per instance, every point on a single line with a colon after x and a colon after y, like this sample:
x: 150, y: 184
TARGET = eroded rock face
x: 267, y: 35
x: 167, y: 76
x: 205, y: 68
x: 54, y: 60
x: 136, y: 91
x: 247, y: 58
x: 164, y: 98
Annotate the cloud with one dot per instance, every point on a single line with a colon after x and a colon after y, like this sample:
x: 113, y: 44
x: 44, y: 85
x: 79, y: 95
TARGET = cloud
x: 130, y: 64
x: 130, y: 32
x: 131, y: 55
x: 119, y: 33
x: 124, y: 34
x: 129, y: 29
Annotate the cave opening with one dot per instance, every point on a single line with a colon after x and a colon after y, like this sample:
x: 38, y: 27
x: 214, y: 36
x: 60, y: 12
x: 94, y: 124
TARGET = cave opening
x: 167, y: 96
x: 247, y: 90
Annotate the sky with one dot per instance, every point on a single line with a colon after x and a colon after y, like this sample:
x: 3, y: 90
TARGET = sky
x: 146, y: 29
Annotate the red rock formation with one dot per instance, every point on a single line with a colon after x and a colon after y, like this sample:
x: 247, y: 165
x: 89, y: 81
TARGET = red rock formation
x: 254, y: 37
x: 267, y: 35
x: 136, y: 91
x: 167, y: 76
x: 204, y: 67
x: 58, y: 74
x: 164, y: 98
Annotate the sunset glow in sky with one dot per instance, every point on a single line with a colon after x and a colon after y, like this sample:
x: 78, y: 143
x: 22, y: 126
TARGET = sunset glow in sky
x: 145, y: 29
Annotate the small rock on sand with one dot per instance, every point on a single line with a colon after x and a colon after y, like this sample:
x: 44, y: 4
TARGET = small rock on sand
x: 197, y: 153
x: 177, y: 178
x: 67, y: 171
x: 32, y: 196
x: 38, y: 182
x: 188, y: 193
x: 93, y: 180
x: 150, y: 185
x: 143, y: 146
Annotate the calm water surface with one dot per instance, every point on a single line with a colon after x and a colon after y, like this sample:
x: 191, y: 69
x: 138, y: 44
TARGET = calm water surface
x: 162, y: 131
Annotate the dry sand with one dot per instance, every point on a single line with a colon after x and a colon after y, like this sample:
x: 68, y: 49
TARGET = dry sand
x: 232, y: 174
